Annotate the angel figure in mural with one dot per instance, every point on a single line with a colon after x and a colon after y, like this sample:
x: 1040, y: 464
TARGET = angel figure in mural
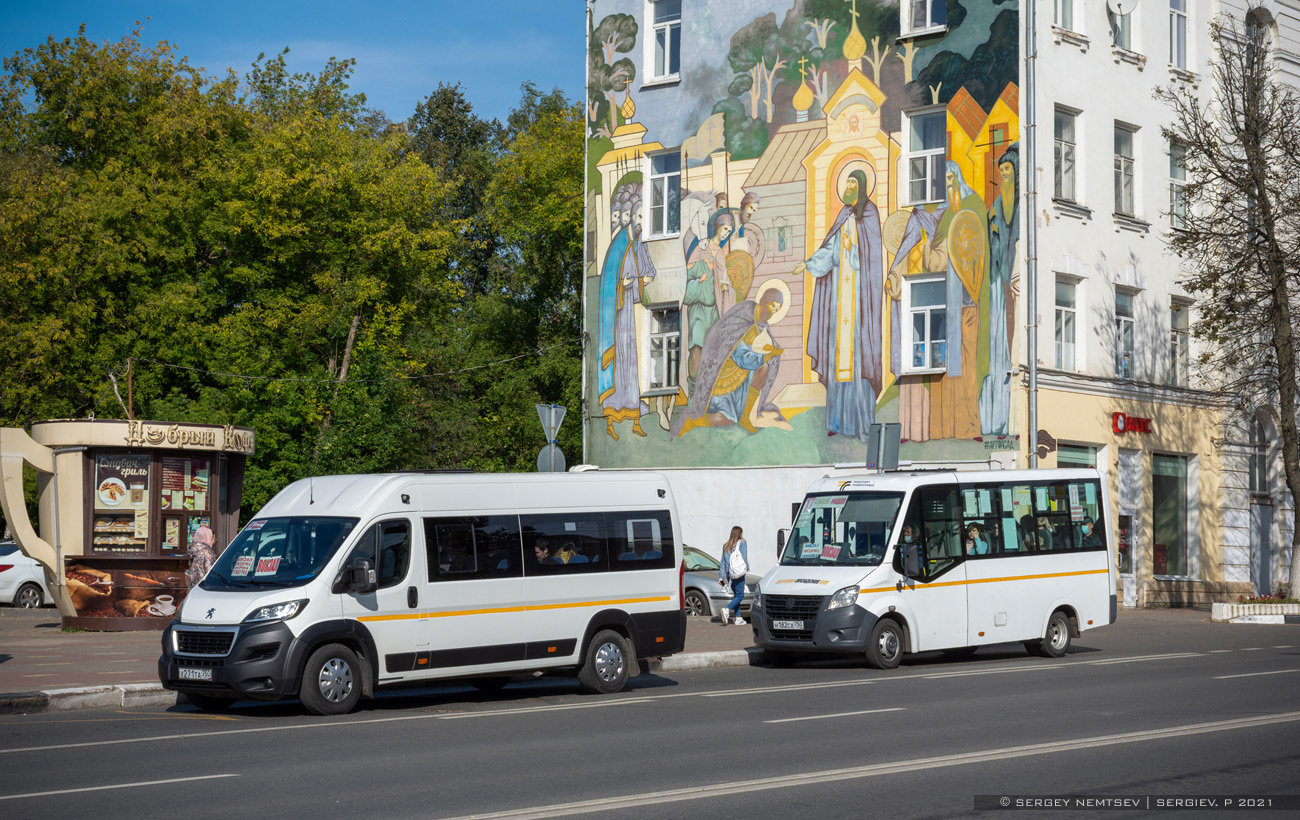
x: 623, y: 277
x: 1004, y: 282
x: 844, y: 334
x: 706, y: 263
x: 738, y: 368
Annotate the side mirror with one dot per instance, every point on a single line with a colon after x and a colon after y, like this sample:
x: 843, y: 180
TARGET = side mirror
x: 358, y: 577
x: 911, y: 560
x: 780, y: 543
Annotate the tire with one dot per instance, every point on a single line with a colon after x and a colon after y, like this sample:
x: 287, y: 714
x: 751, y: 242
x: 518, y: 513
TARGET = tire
x: 885, y: 645
x: 697, y: 604
x: 959, y: 651
x: 331, y: 681
x: 605, y: 669
x: 29, y: 596
x: 209, y: 703
x: 781, y: 660
x: 489, y: 684
x: 1056, y: 642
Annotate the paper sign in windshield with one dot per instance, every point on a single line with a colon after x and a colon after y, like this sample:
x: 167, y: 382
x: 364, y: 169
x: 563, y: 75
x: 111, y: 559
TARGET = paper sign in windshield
x: 267, y: 566
x: 831, y: 552
x: 242, y: 565
x: 810, y: 551
x: 256, y: 525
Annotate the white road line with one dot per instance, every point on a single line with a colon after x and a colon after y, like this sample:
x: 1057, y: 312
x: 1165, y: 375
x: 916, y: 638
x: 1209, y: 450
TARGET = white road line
x: 560, y: 707
x: 1219, y: 651
x: 794, y: 687
x: 1254, y: 674
x: 1287, y: 646
x: 840, y: 714
x: 998, y: 671
x: 116, y: 786
x: 1146, y: 658
x: 905, y: 766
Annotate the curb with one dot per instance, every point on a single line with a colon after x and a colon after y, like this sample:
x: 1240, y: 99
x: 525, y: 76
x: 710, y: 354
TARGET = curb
x: 689, y: 661
x: 127, y: 695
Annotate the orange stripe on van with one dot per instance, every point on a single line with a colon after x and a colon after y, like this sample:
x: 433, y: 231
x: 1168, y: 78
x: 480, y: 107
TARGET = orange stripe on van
x: 408, y: 616
x: 919, y: 587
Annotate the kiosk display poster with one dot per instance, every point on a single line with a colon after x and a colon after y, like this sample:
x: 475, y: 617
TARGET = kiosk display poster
x: 121, y: 504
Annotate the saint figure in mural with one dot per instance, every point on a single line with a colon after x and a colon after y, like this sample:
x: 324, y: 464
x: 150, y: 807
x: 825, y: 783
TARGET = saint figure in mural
x: 738, y: 367
x: 706, y: 262
x: 1004, y: 232
x: 626, y: 270
x: 844, y: 334
x: 955, y: 401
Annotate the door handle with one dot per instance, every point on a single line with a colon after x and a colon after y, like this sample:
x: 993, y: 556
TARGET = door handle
x: 412, y: 597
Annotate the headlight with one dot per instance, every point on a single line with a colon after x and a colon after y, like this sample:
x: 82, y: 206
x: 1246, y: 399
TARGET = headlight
x: 845, y: 597
x: 276, y: 612
x: 758, y: 596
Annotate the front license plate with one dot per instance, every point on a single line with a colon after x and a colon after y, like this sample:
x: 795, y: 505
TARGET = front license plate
x: 796, y: 625
x: 195, y: 674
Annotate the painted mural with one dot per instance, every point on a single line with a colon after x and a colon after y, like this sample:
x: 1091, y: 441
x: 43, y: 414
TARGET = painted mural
x: 758, y: 292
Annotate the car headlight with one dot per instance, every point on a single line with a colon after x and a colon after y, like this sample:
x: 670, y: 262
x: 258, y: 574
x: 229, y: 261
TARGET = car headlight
x: 845, y: 597
x: 758, y: 596
x: 276, y: 612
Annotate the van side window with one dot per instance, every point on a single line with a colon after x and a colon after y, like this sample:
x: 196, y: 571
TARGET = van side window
x: 463, y: 548
x: 564, y: 543
x: 394, y: 552
x: 640, y: 540
x: 1024, y: 518
x: 935, y: 523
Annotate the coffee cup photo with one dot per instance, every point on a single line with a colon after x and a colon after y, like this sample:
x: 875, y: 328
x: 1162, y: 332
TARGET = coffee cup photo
x: 164, y: 604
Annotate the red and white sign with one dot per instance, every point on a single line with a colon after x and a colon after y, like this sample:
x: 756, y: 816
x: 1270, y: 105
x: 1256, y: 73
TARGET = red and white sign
x: 1124, y: 423
x: 242, y: 565
x: 267, y: 566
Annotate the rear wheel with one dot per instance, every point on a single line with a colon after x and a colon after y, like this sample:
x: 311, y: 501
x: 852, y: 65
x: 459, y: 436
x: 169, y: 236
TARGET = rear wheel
x: 29, y: 596
x: 1056, y: 642
x: 331, y: 681
x: 697, y: 603
x: 885, y: 646
x: 605, y: 669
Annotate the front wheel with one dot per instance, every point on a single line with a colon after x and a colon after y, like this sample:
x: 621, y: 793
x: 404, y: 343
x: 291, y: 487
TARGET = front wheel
x: 605, y: 670
x: 1056, y: 642
x: 29, y: 597
x: 697, y: 604
x: 331, y: 681
x: 885, y: 646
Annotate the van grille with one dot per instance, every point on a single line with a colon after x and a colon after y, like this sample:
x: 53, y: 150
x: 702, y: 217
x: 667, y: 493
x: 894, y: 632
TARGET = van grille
x: 793, y: 608
x: 210, y: 642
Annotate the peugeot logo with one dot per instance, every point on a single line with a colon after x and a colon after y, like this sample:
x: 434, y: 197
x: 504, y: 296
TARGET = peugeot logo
x: 210, y: 611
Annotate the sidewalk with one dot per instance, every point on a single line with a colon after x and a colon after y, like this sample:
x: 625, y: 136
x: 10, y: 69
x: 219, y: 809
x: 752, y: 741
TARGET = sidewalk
x: 43, y: 668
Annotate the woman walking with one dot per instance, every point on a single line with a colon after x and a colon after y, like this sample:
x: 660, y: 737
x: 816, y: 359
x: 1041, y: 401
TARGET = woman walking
x: 735, y: 563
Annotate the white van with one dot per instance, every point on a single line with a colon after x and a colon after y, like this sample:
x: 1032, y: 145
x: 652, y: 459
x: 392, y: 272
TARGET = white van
x: 344, y: 584
x: 910, y: 562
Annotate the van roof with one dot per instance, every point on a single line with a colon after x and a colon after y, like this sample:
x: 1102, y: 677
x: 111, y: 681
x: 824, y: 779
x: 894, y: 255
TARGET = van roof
x: 903, y: 481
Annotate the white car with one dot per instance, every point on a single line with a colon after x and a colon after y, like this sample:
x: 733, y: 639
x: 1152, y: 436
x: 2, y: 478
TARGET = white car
x: 22, y: 580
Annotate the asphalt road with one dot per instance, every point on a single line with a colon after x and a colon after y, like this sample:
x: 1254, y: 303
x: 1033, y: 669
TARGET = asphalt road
x: 1176, y: 709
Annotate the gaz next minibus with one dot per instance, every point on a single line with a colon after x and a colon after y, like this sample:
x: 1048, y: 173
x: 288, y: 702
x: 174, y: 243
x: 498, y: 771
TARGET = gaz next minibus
x: 910, y: 562
x: 341, y: 585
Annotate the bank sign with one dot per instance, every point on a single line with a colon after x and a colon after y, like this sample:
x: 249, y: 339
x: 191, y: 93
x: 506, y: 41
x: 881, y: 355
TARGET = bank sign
x: 1123, y: 423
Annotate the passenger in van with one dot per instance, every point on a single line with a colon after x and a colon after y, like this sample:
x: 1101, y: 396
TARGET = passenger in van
x: 976, y: 543
x: 1089, y: 530
x: 1028, y: 533
x: 1045, y: 537
x: 542, y: 551
x: 569, y: 554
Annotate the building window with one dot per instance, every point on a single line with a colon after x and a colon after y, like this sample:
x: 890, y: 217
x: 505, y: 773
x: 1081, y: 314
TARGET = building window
x: 1123, y: 335
x: 1066, y: 309
x: 1124, y: 170
x: 782, y: 238
x: 1258, y: 459
x: 1178, y: 33
x: 1076, y: 455
x: 1063, y: 14
x: 665, y: 193
x: 1180, y: 344
x: 927, y: 144
x: 924, y: 15
x: 929, y: 311
x: 665, y: 347
x: 666, y: 36
x: 1121, y: 33
x: 1169, y: 517
x: 1065, y: 152
x: 1177, y: 185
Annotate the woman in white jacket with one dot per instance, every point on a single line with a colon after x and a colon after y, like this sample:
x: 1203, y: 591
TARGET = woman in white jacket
x: 735, y: 563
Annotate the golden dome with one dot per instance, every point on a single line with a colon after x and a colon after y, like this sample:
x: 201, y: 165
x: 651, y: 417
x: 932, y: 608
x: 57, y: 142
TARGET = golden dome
x: 855, y: 45
x: 629, y: 108
x: 803, y: 98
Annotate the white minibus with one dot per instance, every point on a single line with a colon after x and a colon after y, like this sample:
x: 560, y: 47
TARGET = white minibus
x: 911, y: 562
x: 341, y: 585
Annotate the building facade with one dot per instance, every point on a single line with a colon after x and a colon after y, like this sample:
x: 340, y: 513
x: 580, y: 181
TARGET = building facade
x: 805, y: 217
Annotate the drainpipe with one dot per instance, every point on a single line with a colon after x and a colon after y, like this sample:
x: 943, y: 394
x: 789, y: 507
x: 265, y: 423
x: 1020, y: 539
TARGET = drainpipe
x: 582, y: 283
x: 1031, y: 222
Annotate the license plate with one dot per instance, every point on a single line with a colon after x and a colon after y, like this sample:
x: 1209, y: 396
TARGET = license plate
x: 795, y: 625
x: 187, y: 673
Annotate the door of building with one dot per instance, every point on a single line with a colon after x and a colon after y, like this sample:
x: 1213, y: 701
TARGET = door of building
x: 1261, y: 545
x: 1128, y: 546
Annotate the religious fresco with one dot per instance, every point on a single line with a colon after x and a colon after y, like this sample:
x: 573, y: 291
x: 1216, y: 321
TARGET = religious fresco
x: 760, y: 289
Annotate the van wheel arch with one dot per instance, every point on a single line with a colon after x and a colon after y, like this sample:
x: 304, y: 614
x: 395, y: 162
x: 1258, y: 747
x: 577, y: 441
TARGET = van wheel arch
x: 352, y: 634
x: 614, y: 619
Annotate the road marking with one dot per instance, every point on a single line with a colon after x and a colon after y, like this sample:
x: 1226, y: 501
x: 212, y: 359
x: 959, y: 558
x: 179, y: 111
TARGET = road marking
x: 1287, y: 646
x: 1140, y: 658
x: 559, y: 707
x: 607, y: 804
x: 998, y: 671
x: 1219, y: 651
x: 1253, y: 649
x: 50, y: 675
x: 841, y: 714
x: 793, y: 687
x: 116, y: 786
x: 1254, y: 674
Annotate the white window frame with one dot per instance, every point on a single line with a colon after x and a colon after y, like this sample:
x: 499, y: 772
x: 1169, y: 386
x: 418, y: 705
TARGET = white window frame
x: 1065, y: 153
x: 1178, y: 34
x: 668, y: 31
x: 1125, y: 331
x: 1126, y: 172
x: 667, y: 359
x: 910, y: 312
x: 660, y: 184
x: 933, y: 12
x: 1180, y: 343
x: 934, y: 158
x: 1063, y: 14
x: 1067, y: 325
x: 1177, y: 181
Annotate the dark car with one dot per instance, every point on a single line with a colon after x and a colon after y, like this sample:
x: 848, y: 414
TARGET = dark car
x: 704, y: 596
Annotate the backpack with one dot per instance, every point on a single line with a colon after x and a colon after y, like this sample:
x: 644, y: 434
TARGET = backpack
x: 736, y: 566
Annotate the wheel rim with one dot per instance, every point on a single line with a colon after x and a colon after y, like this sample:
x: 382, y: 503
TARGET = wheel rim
x: 694, y: 605
x: 335, y: 680
x: 609, y: 662
x: 29, y: 598
x: 1056, y: 634
x: 889, y: 644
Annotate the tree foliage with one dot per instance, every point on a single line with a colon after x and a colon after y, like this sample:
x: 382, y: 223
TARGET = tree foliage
x: 1238, y: 229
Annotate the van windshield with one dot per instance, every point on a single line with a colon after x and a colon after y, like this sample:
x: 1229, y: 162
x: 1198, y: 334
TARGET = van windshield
x: 278, y: 552
x: 842, y: 529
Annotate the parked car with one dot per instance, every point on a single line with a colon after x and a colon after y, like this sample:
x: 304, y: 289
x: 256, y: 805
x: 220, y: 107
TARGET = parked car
x: 22, y: 580
x: 703, y: 595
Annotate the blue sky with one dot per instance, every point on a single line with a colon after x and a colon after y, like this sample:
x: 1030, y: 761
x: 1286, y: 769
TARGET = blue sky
x: 403, y: 49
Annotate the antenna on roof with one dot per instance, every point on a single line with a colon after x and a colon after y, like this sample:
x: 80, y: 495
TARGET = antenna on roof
x: 311, y: 490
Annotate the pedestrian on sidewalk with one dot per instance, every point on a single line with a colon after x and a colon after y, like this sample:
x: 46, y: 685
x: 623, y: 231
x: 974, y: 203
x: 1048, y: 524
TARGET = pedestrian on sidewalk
x: 202, y: 555
x: 735, y: 563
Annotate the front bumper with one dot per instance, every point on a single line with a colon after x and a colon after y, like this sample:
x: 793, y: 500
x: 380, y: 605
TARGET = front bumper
x: 260, y: 661
x: 843, y: 631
